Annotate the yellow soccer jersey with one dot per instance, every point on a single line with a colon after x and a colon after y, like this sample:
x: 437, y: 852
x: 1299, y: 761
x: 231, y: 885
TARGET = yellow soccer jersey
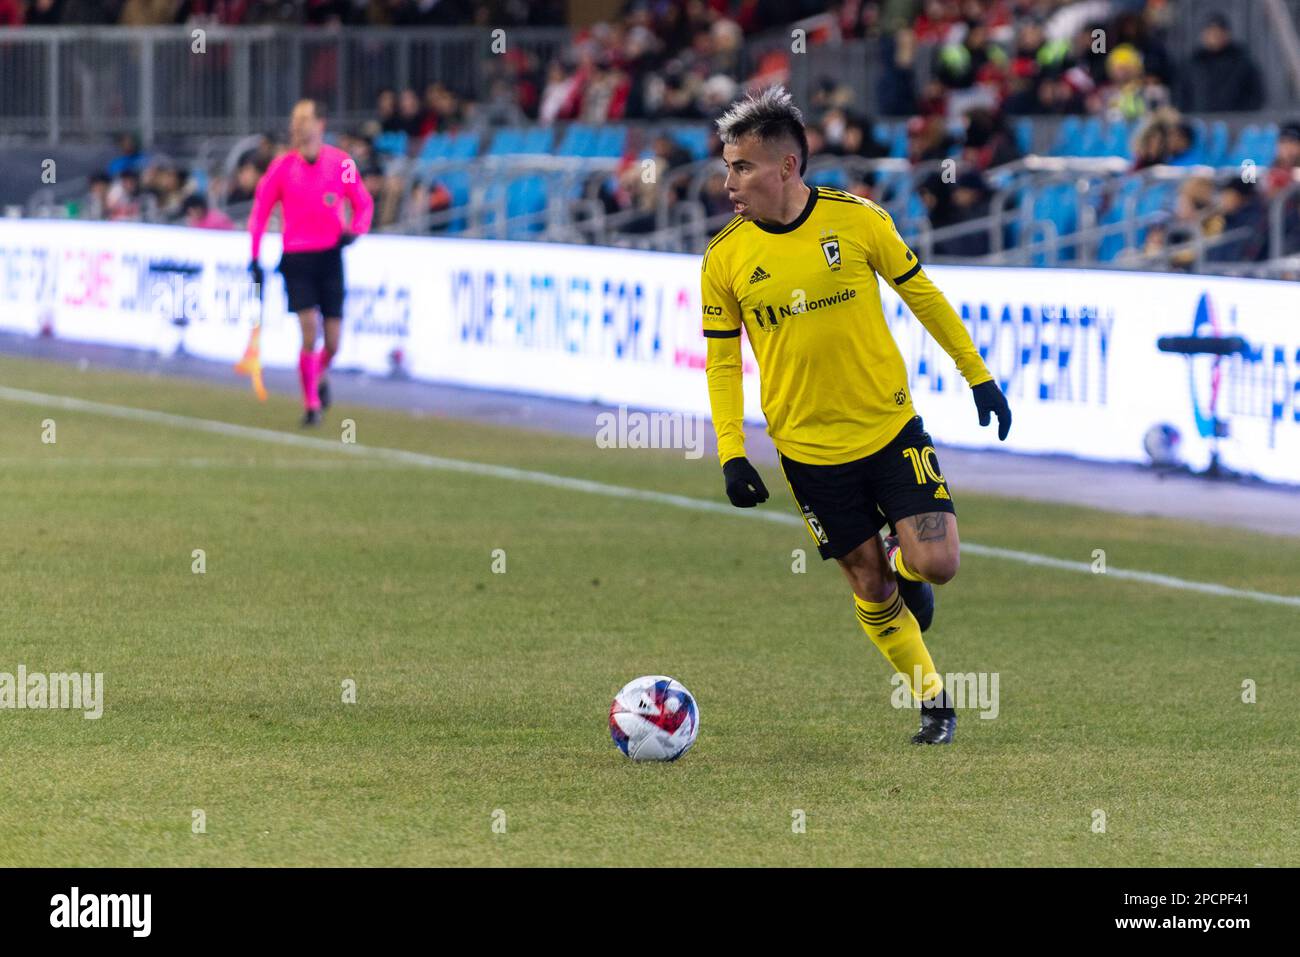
x: 834, y: 385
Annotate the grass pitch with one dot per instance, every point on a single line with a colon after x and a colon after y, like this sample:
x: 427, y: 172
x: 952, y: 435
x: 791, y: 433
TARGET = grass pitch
x: 483, y: 696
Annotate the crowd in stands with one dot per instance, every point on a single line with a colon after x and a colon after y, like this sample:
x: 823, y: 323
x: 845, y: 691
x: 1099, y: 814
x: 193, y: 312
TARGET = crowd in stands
x: 991, y: 61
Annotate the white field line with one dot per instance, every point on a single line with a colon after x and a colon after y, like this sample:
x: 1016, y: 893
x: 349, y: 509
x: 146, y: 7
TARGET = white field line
x: 581, y: 485
x: 145, y: 462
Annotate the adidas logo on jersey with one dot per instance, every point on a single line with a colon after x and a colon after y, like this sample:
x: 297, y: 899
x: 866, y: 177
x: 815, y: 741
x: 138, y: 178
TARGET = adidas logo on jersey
x: 759, y: 275
x: 942, y: 493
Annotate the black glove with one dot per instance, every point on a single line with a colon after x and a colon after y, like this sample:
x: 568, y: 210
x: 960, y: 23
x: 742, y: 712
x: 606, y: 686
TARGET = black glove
x: 989, y: 399
x: 347, y: 239
x: 745, y: 487
x: 255, y: 270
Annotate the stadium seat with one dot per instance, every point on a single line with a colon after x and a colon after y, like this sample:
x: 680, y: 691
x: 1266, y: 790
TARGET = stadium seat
x: 833, y: 176
x: 1023, y: 129
x: 464, y: 146
x: 694, y: 139
x: 579, y: 140
x: 392, y: 143
x: 1067, y: 136
x: 1215, y: 147
x: 435, y: 147
x: 1112, y: 244
x: 1117, y: 140
x: 896, y: 137
x: 513, y: 141
x: 1091, y: 140
x: 611, y: 142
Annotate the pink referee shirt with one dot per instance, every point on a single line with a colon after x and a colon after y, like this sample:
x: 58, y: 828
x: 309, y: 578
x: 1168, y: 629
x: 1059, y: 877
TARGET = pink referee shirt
x: 311, y: 195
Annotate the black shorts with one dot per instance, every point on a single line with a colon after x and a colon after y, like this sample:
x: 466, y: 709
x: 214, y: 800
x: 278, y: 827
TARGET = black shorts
x: 314, y: 279
x: 844, y: 505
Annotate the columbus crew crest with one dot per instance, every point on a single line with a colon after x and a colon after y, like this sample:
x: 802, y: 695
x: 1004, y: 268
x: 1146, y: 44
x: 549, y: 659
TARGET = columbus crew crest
x: 830, y: 249
x: 814, y: 526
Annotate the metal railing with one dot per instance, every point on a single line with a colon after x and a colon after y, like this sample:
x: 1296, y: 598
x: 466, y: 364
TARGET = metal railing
x: 60, y: 82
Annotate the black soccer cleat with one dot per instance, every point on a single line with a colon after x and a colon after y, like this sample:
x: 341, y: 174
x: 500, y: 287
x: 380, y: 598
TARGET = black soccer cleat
x: 917, y: 596
x: 311, y: 418
x: 938, y: 721
x: 323, y: 393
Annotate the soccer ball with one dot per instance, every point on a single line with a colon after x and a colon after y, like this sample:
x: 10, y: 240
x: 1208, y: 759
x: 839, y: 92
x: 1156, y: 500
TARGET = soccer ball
x: 654, y: 718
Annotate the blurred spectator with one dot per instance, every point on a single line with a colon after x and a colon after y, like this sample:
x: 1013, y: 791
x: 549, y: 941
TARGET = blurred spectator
x: 950, y: 204
x: 1221, y: 76
x: 1151, y: 146
x: 130, y: 156
x: 148, y: 13
x: 12, y: 13
x: 124, y: 197
x: 415, y: 121
x: 1239, y: 210
x: 245, y: 183
x: 559, y: 96
x: 896, y: 95
x: 1285, y: 168
x: 989, y: 141
x: 197, y: 215
x: 95, y: 205
x: 928, y: 139
x: 1129, y: 92
x: 167, y: 184
x: 386, y: 109
x: 45, y: 13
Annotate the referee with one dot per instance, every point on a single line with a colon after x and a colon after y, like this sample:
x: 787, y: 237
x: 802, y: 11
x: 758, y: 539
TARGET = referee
x: 311, y: 183
x: 797, y: 269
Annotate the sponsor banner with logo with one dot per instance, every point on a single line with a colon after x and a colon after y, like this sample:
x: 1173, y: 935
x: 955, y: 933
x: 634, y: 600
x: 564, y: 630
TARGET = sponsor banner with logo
x: 1075, y: 350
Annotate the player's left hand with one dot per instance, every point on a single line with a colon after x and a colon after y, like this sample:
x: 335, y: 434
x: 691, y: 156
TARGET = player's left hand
x: 989, y: 399
x: 347, y: 239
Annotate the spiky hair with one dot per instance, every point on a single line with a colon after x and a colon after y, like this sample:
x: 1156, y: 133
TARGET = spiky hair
x: 771, y: 116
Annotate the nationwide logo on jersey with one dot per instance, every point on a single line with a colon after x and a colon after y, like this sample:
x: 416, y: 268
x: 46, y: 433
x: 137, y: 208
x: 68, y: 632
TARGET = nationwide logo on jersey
x: 759, y: 275
x: 830, y: 249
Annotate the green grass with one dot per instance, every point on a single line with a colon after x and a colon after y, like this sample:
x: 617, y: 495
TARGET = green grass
x: 479, y: 691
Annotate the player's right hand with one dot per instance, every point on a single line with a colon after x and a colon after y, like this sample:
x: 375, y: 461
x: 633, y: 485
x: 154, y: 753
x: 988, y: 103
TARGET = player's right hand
x: 255, y: 270
x: 745, y: 486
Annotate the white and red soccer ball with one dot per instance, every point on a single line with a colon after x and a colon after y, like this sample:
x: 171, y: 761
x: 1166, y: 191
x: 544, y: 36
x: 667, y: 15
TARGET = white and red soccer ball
x: 654, y: 718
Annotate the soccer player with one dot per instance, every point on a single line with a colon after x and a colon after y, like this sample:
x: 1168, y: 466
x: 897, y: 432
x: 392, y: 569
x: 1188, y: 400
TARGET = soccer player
x: 311, y: 181
x: 797, y: 268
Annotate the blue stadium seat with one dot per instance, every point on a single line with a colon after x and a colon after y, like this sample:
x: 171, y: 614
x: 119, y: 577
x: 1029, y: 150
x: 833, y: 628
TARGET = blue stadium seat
x: 524, y: 195
x: 1117, y: 140
x: 1246, y: 147
x: 1113, y: 243
x: 512, y: 141
x: 1024, y: 133
x: 1067, y: 137
x: 694, y: 139
x: 1216, y: 146
x: 1059, y: 204
x: 579, y: 140
x: 392, y: 143
x: 464, y: 146
x: 611, y: 141
x: 834, y: 176
x: 436, y: 147
x: 1091, y: 140
x: 897, y: 140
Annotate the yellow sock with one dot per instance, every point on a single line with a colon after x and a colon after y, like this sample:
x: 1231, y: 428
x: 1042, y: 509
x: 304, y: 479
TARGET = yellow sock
x: 893, y: 629
x: 902, y: 571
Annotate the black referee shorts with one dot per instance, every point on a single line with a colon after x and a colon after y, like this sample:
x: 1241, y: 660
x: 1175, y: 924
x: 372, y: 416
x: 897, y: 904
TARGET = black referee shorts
x: 844, y: 505
x: 314, y: 279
